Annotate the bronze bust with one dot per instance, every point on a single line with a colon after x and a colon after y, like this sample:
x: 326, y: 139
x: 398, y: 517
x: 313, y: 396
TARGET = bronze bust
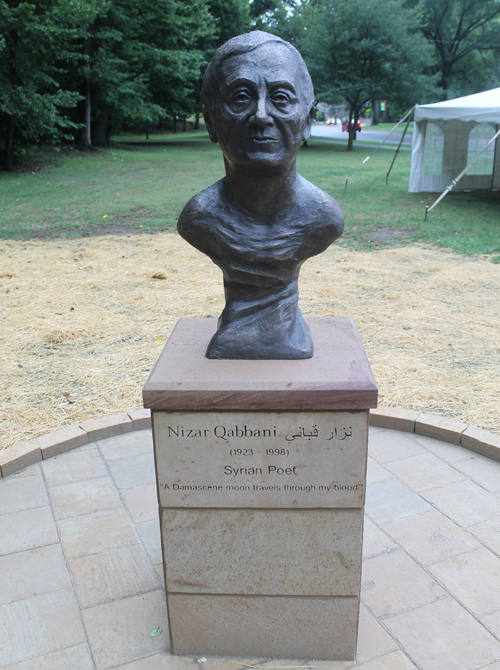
x: 262, y: 220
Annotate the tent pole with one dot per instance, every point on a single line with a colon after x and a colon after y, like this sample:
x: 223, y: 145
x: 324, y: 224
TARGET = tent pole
x: 381, y: 143
x: 397, y: 150
x: 455, y: 181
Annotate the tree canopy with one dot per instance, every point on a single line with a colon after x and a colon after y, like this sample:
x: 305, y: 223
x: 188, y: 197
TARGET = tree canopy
x: 78, y: 70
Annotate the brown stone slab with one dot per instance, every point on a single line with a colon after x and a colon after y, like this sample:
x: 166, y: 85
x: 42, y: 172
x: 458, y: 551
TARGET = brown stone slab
x: 337, y: 377
x: 482, y: 442
x: 394, y: 418
x: 19, y: 456
x: 440, y: 428
x: 60, y: 441
x: 141, y: 419
x: 107, y: 426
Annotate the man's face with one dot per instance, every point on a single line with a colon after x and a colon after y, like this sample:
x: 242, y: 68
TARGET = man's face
x: 262, y: 114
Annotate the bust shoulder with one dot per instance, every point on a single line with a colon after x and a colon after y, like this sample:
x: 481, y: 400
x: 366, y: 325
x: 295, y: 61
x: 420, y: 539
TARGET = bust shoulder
x: 321, y: 214
x: 199, y: 215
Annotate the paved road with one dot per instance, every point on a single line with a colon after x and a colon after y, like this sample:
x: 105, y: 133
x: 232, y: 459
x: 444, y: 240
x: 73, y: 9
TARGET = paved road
x: 335, y: 133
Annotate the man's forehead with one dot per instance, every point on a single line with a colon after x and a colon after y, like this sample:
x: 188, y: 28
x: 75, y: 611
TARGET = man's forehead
x: 271, y: 62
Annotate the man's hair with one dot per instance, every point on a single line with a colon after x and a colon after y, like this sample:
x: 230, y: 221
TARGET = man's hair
x: 240, y: 45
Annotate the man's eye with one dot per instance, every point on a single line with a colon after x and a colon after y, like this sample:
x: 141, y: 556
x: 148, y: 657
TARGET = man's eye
x: 241, y: 96
x: 280, y: 98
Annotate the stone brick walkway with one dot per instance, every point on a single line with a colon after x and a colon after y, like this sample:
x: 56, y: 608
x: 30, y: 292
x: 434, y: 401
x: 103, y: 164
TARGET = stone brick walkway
x: 81, y: 579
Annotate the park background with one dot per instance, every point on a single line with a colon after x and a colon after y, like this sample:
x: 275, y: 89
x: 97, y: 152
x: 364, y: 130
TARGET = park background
x: 102, y: 142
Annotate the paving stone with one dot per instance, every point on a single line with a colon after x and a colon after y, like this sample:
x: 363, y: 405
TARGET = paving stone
x: 31, y: 471
x: 74, y: 658
x: 26, y: 530
x: 376, y: 473
x: 329, y: 665
x: 373, y: 640
x: 430, y: 538
x: 483, y: 471
x: 444, y: 635
x: 79, y: 498
x: 424, y: 472
x: 392, y: 445
x: 62, y: 440
x: 464, y: 502
x: 375, y: 541
x: 482, y: 441
x: 440, y: 428
x: 141, y: 419
x: 394, y: 418
x: 488, y: 532
x: 133, y: 471
x: 142, y: 503
x: 130, y: 444
x: 37, y: 626
x: 391, y: 500
x: 119, y: 632
x: 227, y: 663
x: 465, y: 578
x: 93, y: 533
x: 111, y: 575
x: 492, y: 621
x: 19, y: 456
x: 33, y: 573
x: 74, y: 467
x: 166, y: 661
x: 160, y: 574
x: 385, y: 594
x: 19, y: 493
x: 395, y: 661
x: 107, y: 426
x: 450, y: 453
x: 149, y: 534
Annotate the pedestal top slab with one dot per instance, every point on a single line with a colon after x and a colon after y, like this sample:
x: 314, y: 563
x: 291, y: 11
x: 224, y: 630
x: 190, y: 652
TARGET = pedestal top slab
x: 337, y: 377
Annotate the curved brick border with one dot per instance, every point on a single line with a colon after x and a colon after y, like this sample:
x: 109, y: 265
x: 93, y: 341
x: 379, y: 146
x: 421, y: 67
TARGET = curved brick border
x: 22, y: 454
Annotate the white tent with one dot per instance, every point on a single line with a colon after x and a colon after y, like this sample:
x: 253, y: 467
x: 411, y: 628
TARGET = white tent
x: 448, y: 135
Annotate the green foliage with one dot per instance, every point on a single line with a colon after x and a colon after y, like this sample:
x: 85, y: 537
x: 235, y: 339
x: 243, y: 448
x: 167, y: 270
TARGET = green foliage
x: 465, y: 36
x: 361, y: 51
x: 35, y: 48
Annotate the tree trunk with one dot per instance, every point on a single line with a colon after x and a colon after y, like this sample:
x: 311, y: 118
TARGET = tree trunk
x: 375, y: 113
x: 147, y: 131
x: 350, y: 134
x: 85, y: 139
x: 197, y: 121
x: 184, y: 125
x: 175, y: 124
x: 9, y: 135
x: 99, y: 132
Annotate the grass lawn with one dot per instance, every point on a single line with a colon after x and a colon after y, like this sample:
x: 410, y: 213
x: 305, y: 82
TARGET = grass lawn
x: 387, y: 127
x: 141, y: 186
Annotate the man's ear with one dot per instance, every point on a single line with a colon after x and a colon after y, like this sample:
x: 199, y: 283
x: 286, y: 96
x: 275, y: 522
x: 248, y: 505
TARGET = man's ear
x: 307, y: 129
x: 210, y: 127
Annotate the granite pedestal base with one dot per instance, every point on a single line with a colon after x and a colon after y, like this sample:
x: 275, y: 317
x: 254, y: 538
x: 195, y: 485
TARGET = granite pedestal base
x: 261, y: 481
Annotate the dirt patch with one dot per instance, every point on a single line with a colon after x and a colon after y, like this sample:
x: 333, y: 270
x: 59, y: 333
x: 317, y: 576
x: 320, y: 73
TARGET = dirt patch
x: 83, y: 322
x: 387, y: 234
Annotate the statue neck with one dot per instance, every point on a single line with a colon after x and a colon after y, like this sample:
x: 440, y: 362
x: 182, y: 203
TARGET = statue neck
x: 260, y: 194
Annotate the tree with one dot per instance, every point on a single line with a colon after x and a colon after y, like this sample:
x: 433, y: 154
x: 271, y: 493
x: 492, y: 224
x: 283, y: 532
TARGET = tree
x: 360, y: 51
x: 464, y: 35
x: 33, y: 47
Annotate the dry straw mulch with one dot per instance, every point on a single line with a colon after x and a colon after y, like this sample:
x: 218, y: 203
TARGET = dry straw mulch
x: 83, y: 322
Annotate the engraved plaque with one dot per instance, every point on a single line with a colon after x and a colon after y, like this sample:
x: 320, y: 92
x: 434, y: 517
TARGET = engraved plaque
x: 261, y: 459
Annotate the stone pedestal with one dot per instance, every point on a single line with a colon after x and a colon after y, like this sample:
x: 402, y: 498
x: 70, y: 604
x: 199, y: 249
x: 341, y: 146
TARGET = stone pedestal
x: 261, y: 482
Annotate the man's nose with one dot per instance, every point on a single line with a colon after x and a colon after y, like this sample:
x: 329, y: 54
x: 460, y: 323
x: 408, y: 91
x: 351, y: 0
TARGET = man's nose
x: 261, y: 116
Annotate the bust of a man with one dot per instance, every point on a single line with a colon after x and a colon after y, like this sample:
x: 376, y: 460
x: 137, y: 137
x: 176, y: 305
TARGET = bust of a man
x: 262, y: 220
